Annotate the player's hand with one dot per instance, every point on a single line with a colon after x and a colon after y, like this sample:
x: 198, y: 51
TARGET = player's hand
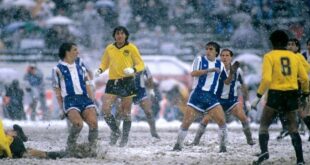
x: 234, y: 67
x: 129, y: 71
x: 214, y: 70
x: 98, y: 72
x: 255, y: 102
x: 248, y: 106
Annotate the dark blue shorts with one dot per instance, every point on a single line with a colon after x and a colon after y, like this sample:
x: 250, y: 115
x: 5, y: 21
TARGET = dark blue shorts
x: 78, y: 102
x: 228, y: 104
x: 140, y: 95
x: 202, y: 101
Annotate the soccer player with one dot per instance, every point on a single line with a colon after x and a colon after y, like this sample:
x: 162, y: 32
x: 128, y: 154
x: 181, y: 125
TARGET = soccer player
x: 143, y: 80
x: 228, y: 97
x: 294, y: 45
x: 123, y: 60
x: 74, y: 95
x: 206, y: 70
x: 12, y: 142
x: 281, y: 69
x: 12, y: 146
x: 306, y: 54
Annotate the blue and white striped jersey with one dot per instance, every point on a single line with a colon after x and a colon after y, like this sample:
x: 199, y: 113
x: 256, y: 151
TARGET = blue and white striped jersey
x: 208, y: 82
x: 230, y: 91
x: 70, y: 78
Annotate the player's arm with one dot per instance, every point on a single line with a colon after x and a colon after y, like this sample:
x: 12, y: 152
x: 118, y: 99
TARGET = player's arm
x: 197, y: 71
x: 56, y: 86
x: 89, y: 89
x: 266, y: 76
x: 138, y: 62
x: 105, y: 61
x: 304, y: 80
x: 4, y: 145
x: 304, y: 63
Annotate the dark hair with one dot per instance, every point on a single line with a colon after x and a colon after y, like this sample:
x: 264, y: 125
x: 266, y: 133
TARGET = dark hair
x: 308, y: 41
x: 215, y: 45
x: 64, y: 48
x: 123, y: 29
x: 297, y: 43
x: 228, y: 50
x: 278, y: 39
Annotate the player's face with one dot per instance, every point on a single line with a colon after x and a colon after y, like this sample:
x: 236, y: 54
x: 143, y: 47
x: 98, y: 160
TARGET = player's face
x: 73, y: 52
x: 211, y: 53
x: 226, y: 57
x: 292, y: 46
x: 120, y: 36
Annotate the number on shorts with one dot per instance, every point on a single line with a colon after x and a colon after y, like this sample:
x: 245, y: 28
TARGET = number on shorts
x: 285, y: 65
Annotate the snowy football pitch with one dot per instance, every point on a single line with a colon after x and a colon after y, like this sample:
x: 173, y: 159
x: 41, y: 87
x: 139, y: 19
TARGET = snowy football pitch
x: 143, y: 149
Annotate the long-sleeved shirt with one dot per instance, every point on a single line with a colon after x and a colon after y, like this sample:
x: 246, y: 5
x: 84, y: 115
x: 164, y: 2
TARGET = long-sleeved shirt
x: 117, y: 59
x: 5, y: 142
x: 281, y: 70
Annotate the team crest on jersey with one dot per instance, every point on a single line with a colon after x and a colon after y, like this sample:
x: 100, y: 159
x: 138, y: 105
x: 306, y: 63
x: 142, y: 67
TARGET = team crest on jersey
x: 126, y: 52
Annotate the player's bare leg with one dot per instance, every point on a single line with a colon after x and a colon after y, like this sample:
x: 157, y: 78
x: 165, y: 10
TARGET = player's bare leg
x: 90, y: 117
x: 190, y: 115
x: 238, y: 112
x: 218, y: 115
x: 126, y: 103
x: 296, y: 140
x: 107, y: 104
x: 77, y: 125
x: 146, y: 106
x: 201, y: 129
x: 266, y: 119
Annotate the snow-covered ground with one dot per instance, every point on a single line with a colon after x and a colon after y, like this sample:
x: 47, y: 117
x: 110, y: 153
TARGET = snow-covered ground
x: 142, y: 149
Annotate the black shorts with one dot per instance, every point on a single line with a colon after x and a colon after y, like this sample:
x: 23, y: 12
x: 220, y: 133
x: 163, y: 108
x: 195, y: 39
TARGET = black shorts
x: 121, y: 87
x: 17, y: 147
x: 283, y: 100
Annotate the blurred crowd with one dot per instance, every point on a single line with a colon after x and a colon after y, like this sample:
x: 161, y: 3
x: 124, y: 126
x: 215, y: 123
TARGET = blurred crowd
x: 176, y: 27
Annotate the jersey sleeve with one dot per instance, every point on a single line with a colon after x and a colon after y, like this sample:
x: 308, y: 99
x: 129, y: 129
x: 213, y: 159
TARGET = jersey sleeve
x: 138, y: 62
x: 105, y: 60
x: 196, y: 64
x: 304, y: 80
x: 4, y: 142
x: 56, y: 77
x: 240, y: 78
x: 266, y: 75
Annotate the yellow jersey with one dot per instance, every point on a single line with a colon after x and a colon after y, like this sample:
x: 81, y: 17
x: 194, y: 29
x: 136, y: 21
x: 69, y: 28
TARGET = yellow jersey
x: 281, y: 69
x: 5, y: 142
x: 304, y: 62
x: 117, y: 59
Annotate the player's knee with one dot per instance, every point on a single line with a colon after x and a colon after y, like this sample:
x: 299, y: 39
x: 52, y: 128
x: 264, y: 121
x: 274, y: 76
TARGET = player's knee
x: 77, y: 124
x: 93, y: 124
x: 221, y: 122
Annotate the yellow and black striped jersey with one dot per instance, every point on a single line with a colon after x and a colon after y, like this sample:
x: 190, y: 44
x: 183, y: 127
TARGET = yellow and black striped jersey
x: 117, y: 59
x: 281, y: 69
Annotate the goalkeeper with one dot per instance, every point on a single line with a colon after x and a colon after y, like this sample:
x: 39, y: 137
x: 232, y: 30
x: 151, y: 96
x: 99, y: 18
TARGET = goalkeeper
x: 123, y: 60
